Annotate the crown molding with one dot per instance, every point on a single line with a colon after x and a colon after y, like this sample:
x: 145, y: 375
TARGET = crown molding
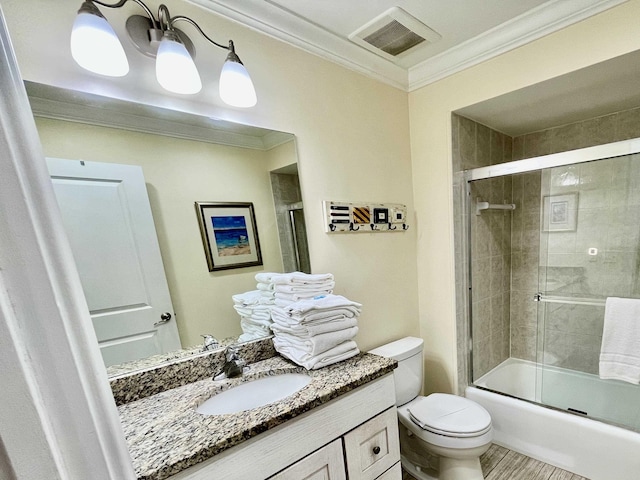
x: 532, y: 25
x: 288, y: 27
x: 294, y: 30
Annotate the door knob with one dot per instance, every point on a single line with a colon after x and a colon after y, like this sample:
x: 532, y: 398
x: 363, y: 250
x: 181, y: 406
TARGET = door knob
x: 164, y: 318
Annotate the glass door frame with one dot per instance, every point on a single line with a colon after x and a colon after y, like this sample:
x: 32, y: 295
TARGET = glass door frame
x: 571, y: 157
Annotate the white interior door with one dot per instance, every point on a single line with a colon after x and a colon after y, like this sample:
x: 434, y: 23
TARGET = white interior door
x: 107, y: 216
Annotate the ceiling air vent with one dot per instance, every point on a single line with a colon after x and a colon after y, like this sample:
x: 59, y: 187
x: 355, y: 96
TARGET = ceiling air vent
x: 394, y: 34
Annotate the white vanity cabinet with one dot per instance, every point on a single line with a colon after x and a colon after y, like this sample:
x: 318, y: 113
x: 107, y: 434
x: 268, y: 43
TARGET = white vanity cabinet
x: 370, y: 450
x: 354, y: 436
x: 373, y: 447
x: 325, y: 464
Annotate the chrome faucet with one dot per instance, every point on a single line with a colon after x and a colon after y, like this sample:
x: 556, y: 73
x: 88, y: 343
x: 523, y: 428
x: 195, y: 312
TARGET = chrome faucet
x: 233, y: 367
x: 210, y: 343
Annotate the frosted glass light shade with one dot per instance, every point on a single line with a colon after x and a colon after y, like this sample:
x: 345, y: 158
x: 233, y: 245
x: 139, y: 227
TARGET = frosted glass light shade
x: 175, y: 69
x: 95, y: 46
x: 236, y: 87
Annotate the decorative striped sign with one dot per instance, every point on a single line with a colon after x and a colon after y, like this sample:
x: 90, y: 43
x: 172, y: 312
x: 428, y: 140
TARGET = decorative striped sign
x: 361, y: 215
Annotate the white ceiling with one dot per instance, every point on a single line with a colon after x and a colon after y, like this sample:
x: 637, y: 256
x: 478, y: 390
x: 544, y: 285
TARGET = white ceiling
x: 472, y: 30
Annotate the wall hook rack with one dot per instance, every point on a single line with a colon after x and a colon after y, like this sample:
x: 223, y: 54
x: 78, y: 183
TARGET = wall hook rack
x: 345, y: 217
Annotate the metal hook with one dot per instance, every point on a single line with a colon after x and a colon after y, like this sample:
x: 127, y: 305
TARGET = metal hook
x: 353, y: 229
x: 392, y: 227
x: 332, y: 227
x: 374, y: 227
x: 405, y: 226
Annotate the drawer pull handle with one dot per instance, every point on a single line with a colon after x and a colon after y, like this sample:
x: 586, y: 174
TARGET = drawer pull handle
x: 376, y: 450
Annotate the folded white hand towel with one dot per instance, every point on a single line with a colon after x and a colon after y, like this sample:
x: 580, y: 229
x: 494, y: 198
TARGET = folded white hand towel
x: 620, y: 350
x: 339, y: 322
x: 302, y: 278
x: 279, y: 302
x: 282, y: 318
x: 296, y: 297
x: 247, y: 298
x: 320, y: 288
x: 340, y: 352
x: 321, y: 302
x: 265, y: 277
x: 316, y: 344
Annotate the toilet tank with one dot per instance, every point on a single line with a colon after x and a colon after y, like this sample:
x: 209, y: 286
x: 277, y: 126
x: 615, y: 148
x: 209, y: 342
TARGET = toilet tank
x: 408, y: 376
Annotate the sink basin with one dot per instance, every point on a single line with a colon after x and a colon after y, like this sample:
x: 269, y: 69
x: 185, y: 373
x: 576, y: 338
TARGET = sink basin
x: 255, y: 393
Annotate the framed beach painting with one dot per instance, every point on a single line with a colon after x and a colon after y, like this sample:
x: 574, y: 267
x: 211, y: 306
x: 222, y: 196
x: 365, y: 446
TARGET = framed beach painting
x: 229, y: 235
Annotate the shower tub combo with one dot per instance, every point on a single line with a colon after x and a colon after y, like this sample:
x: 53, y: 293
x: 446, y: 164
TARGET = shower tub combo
x: 549, y: 239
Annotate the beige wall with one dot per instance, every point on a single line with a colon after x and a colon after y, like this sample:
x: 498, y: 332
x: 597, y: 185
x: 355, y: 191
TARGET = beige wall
x: 352, y: 137
x: 575, y: 47
x: 178, y: 173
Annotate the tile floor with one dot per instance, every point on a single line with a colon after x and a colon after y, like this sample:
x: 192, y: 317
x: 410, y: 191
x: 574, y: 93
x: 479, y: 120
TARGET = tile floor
x: 500, y: 463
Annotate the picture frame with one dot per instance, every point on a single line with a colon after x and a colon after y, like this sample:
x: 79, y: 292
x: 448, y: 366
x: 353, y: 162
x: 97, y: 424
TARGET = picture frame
x: 560, y: 213
x: 229, y: 235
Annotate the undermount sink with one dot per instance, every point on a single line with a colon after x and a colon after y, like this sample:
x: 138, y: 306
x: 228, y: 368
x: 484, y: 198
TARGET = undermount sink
x: 254, y: 393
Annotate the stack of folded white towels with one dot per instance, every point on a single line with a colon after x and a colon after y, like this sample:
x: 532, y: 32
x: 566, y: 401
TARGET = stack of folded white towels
x: 254, y: 309
x: 314, y: 331
x: 296, y: 286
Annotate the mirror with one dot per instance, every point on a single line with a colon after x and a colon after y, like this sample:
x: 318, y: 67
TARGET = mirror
x: 185, y: 159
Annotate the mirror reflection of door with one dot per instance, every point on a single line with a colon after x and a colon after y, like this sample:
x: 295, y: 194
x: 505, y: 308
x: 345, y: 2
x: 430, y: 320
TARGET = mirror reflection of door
x: 107, y: 217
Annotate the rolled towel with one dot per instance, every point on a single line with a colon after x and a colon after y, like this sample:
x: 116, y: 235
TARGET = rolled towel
x: 265, y: 277
x: 265, y: 287
x: 302, y: 278
x: 340, y: 352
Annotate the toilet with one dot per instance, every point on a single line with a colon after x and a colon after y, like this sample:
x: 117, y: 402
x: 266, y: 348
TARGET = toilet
x: 454, y: 428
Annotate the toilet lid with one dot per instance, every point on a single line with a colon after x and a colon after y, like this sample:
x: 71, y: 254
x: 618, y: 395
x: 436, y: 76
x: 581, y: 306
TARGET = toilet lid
x: 450, y: 415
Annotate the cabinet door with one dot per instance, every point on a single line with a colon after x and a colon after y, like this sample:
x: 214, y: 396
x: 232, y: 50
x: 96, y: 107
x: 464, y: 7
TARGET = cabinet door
x: 373, y: 447
x: 325, y: 464
x: 394, y: 473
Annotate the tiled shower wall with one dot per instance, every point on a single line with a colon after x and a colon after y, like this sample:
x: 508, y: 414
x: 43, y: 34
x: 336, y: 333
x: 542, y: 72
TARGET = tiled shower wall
x: 570, y: 345
x: 475, y: 145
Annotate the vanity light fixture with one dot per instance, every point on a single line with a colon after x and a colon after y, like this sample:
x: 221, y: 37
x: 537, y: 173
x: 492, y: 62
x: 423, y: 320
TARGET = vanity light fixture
x: 95, y: 47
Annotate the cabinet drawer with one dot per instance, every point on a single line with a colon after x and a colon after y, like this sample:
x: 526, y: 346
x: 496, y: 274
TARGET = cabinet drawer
x: 325, y: 464
x: 394, y: 473
x: 373, y: 447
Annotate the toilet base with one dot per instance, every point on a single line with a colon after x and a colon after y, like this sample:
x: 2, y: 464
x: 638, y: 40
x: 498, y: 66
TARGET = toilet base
x: 417, y: 472
x: 460, y: 469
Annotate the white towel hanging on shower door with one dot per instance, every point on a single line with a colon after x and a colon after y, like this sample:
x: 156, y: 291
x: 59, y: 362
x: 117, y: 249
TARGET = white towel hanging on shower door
x: 620, y: 350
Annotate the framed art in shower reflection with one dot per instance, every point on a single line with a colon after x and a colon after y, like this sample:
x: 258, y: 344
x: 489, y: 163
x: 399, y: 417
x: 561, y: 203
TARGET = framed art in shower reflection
x: 229, y: 235
x: 560, y: 213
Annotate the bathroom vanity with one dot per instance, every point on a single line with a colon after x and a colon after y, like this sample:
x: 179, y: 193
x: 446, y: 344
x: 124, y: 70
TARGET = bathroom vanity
x: 343, y: 423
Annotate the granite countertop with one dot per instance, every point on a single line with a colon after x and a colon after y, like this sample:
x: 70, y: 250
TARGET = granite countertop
x: 165, y: 434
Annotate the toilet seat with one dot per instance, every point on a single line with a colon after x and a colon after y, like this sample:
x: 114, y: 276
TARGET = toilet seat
x: 449, y: 415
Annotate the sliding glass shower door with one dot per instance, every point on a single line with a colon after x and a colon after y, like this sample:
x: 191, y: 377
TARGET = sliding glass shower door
x: 551, y: 239
x: 589, y: 251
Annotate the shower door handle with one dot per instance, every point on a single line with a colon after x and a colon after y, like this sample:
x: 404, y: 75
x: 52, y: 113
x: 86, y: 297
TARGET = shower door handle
x: 537, y: 297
